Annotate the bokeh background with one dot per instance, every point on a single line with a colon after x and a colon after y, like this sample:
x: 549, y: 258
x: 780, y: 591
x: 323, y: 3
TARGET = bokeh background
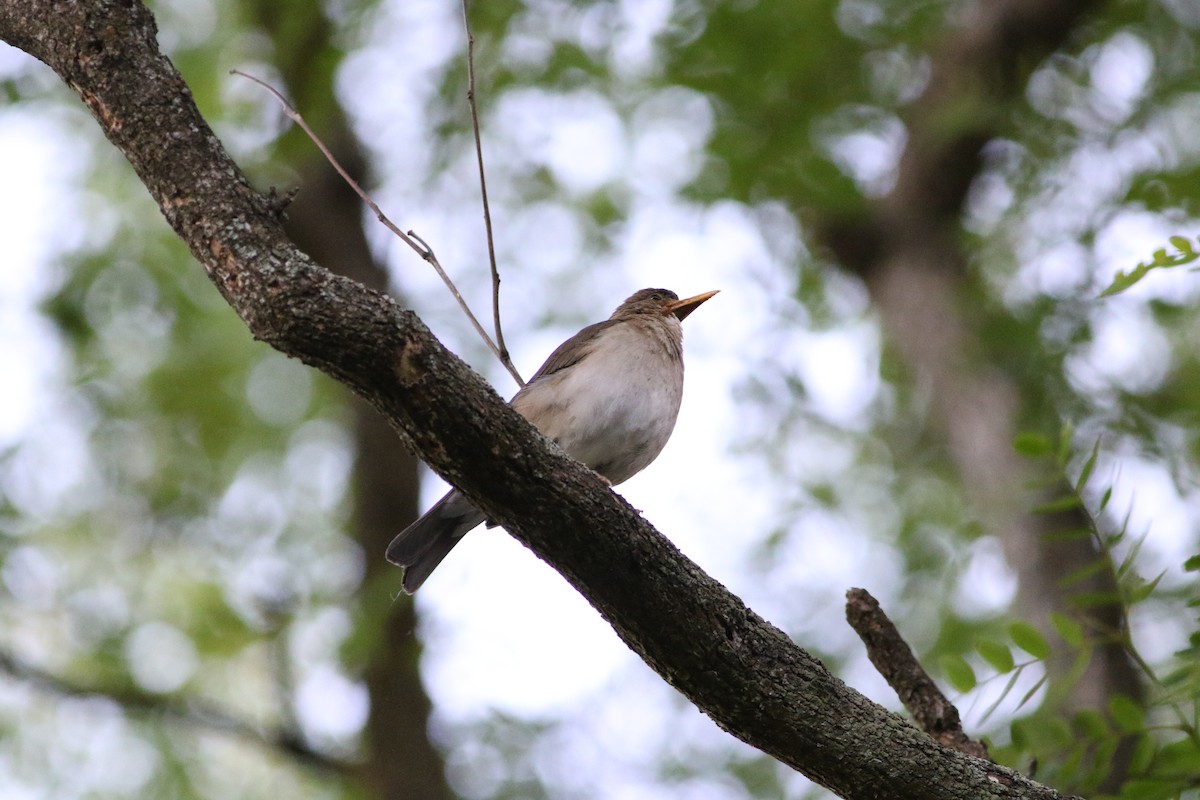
x: 909, y: 382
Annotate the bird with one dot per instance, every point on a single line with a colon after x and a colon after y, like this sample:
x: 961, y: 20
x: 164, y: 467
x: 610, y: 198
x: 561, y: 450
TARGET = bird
x: 608, y: 396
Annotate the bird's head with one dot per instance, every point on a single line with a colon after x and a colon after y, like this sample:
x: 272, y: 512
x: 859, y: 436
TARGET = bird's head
x: 661, y: 301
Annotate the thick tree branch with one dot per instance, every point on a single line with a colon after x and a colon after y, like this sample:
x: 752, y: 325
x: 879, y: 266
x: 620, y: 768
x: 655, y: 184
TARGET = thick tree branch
x: 740, y: 670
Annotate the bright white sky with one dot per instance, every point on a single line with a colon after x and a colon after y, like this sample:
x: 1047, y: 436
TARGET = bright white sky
x: 487, y: 610
x: 35, y: 181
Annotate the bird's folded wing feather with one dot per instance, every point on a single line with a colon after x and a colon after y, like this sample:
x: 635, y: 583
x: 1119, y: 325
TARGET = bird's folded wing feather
x: 572, y: 350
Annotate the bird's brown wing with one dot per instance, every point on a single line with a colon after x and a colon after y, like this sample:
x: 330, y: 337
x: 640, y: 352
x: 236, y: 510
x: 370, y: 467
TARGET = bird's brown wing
x: 572, y: 350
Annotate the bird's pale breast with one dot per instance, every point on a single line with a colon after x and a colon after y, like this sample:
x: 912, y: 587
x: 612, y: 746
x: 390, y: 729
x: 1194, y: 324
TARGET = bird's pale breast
x: 615, y: 408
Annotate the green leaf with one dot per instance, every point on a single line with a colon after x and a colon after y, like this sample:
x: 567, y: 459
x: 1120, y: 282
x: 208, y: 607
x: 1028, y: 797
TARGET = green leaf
x: 1026, y: 637
x: 1180, y: 757
x: 1142, y: 591
x: 1094, y: 599
x: 1129, y: 715
x: 995, y: 654
x: 1124, y: 280
x: 1143, y: 754
x: 1064, y: 503
x: 1178, y: 677
x: 1183, y: 245
x: 1032, y: 691
x: 1008, y: 687
x: 1088, y: 466
x: 1154, y: 788
x: 1067, y: 628
x: 1057, y: 731
x: 1065, y: 437
x: 1192, y: 564
x: 1032, y: 444
x: 1184, y: 253
x: 1086, y: 571
x: 958, y: 672
x: 1092, y: 724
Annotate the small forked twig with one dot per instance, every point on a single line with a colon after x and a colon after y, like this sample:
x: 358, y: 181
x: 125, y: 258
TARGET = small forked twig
x: 487, y: 214
x: 412, y: 240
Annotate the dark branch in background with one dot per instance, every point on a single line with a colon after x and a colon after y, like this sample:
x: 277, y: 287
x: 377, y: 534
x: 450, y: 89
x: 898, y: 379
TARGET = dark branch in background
x: 487, y: 212
x: 326, y: 221
x: 895, y: 661
x: 411, y: 239
x: 183, y: 711
x: 746, y: 674
x: 283, y: 675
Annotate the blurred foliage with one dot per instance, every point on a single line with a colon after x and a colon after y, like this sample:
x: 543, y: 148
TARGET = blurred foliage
x: 175, y: 527
x: 181, y: 505
x: 1079, y: 751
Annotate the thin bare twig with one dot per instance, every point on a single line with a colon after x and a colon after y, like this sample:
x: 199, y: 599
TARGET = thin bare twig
x: 422, y: 249
x: 487, y: 213
x: 895, y: 661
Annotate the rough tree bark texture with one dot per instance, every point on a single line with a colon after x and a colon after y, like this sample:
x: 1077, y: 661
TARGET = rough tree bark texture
x: 325, y: 220
x: 740, y: 670
x: 894, y: 660
x: 909, y: 250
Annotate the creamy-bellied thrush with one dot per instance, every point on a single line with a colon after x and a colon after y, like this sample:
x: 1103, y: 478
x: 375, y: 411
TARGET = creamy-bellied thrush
x: 608, y: 396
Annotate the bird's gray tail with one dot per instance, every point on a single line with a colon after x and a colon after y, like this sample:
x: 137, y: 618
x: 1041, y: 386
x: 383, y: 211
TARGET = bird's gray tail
x: 420, y: 547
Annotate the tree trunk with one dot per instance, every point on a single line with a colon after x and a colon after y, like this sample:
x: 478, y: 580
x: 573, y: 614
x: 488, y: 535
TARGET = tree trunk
x: 326, y: 221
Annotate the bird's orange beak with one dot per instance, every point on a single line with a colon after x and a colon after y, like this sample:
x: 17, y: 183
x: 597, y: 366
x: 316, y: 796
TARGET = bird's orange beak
x: 681, y: 308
